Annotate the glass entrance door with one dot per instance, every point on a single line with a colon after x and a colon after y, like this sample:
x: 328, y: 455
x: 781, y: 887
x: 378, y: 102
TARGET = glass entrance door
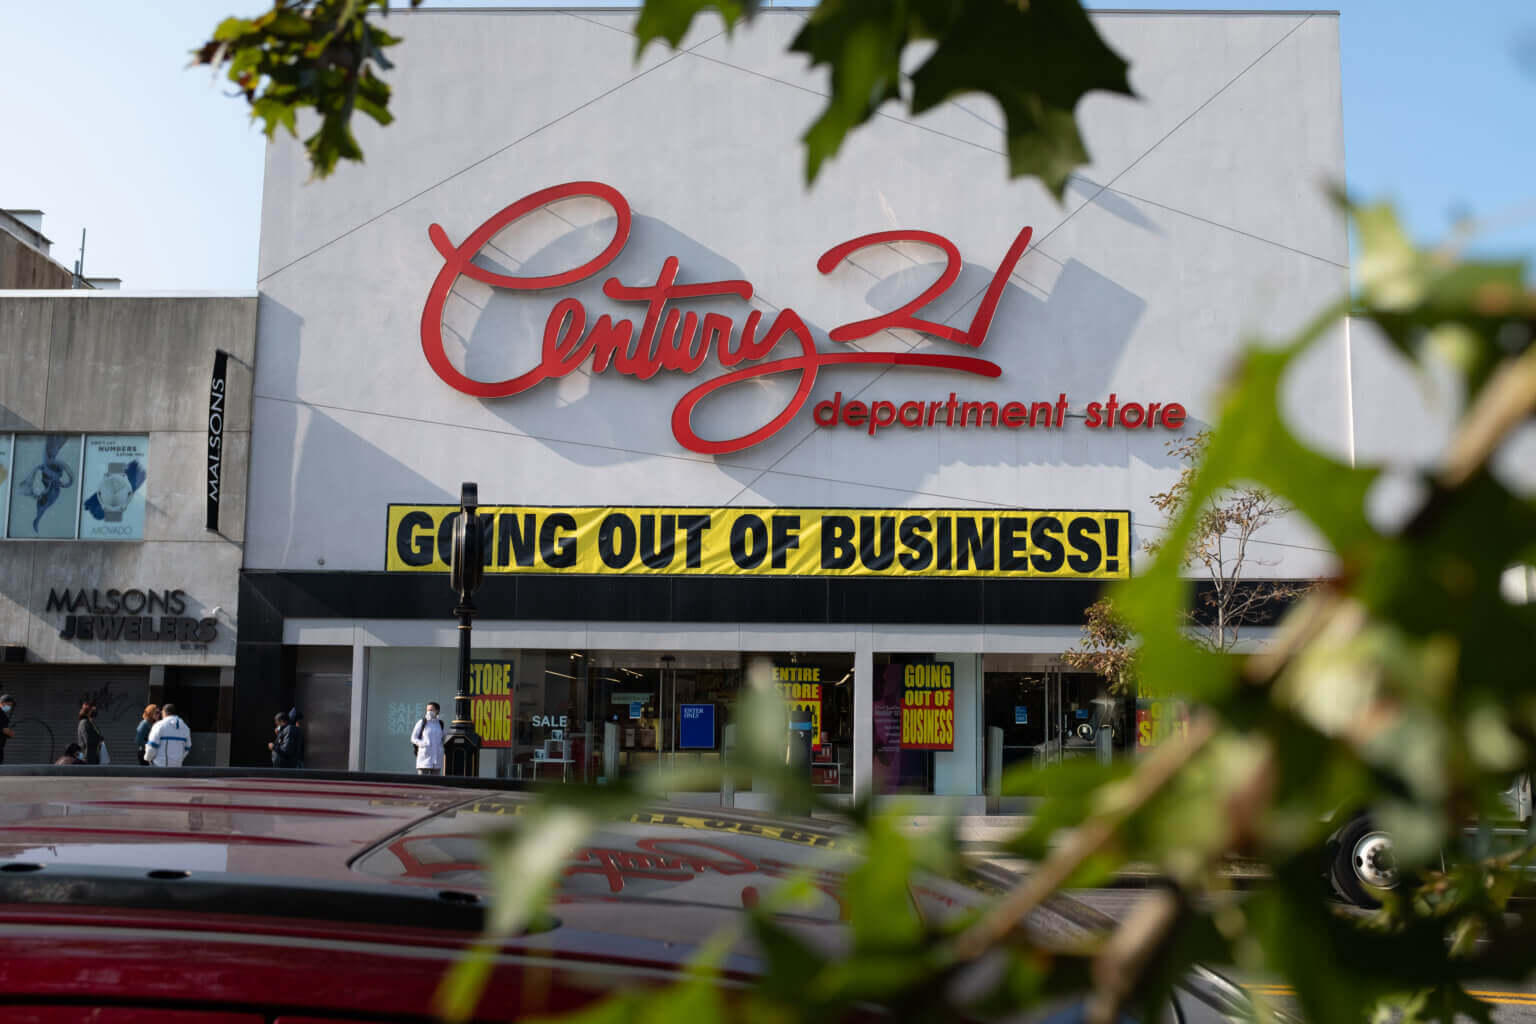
x: 1047, y: 714
x: 667, y: 710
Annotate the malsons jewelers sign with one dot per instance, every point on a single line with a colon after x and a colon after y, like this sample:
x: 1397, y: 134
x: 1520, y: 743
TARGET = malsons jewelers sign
x: 681, y: 341
x: 129, y: 615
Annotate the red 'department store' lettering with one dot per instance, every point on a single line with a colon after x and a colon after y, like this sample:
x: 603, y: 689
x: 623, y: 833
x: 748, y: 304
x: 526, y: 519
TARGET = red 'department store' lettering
x: 678, y: 342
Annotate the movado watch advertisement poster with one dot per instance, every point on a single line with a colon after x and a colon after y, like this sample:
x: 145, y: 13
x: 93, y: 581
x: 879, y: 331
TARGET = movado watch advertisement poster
x: 45, y: 484
x: 112, y: 489
x: 5, y: 476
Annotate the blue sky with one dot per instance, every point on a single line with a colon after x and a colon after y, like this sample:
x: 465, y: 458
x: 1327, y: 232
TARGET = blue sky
x: 107, y: 129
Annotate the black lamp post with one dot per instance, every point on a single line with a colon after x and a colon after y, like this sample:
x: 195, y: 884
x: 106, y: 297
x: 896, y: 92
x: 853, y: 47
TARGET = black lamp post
x: 461, y: 749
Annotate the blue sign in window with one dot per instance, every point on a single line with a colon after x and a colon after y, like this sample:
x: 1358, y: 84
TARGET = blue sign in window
x: 696, y: 726
x: 1020, y: 715
x: 636, y: 708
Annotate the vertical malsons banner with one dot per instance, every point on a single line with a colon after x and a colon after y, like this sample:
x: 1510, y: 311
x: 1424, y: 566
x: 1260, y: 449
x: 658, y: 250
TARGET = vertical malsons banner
x: 216, y: 393
x: 928, y: 706
x: 800, y: 686
x: 490, y: 702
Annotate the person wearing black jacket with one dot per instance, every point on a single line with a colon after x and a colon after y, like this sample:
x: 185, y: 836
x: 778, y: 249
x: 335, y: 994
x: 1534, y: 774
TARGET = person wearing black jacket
x: 288, y: 748
x: 7, y: 705
x: 301, y: 735
x: 87, y: 735
x: 141, y: 735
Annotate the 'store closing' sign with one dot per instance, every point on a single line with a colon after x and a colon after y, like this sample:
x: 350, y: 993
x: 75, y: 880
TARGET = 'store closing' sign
x: 683, y: 541
x: 490, y: 702
x: 928, y: 706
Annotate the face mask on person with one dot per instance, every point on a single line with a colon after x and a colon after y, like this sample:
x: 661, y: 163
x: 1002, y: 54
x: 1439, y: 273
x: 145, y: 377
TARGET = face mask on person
x: 431, y: 714
x: 6, y: 708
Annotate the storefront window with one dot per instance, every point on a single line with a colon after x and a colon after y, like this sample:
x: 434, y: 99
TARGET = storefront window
x: 67, y: 486
x: 599, y: 715
x: 555, y: 736
x: 925, y: 724
x: 5, y: 479
x: 401, y: 680
x: 596, y: 716
x: 818, y: 690
x: 1046, y: 714
x: 45, y: 486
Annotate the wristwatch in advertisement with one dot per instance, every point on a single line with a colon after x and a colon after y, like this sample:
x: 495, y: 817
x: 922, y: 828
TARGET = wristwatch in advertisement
x: 115, y: 492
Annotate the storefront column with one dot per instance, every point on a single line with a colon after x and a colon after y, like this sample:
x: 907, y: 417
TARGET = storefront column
x: 958, y: 772
x: 359, y: 704
x: 226, y: 716
x: 863, y: 714
x: 157, y: 687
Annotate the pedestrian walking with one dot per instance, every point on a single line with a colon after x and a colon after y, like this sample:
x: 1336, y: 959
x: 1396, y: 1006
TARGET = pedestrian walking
x: 141, y: 734
x: 87, y: 735
x: 169, y: 740
x: 427, y: 738
x: 288, y: 744
x: 7, y: 706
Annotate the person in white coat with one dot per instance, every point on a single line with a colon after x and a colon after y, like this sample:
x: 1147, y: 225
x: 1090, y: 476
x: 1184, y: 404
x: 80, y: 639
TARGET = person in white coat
x: 169, y: 740
x: 427, y: 738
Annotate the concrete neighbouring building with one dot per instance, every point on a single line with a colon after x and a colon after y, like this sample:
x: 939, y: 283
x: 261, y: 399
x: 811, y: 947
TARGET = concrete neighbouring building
x: 26, y: 257
x: 111, y: 586
x: 390, y: 368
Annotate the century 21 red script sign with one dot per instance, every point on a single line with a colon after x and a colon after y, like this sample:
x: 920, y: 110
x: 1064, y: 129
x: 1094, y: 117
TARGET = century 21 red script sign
x: 679, y: 342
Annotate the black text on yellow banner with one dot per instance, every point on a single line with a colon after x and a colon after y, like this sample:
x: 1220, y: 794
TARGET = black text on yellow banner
x: 683, y: 541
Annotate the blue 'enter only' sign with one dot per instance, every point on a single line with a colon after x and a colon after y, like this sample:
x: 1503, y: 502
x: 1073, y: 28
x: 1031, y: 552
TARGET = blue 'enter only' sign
x: 696, y: 726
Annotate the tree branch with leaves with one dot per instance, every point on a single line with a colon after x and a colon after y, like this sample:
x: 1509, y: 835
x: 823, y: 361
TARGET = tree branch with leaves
x: 1220, y: 551
x: 1036, y: 59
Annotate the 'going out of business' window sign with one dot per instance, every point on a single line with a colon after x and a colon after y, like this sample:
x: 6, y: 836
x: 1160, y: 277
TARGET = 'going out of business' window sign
x: 595, y: 540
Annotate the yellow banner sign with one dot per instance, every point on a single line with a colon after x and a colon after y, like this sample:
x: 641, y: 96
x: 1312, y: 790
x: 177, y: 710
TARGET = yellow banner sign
x: 800, y: 686
x: 603, y: 541
x: 928, y: 706
x: 490, y: 701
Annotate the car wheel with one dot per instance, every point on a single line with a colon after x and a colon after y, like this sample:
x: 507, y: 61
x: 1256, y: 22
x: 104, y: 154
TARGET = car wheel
x: 1363, y: 859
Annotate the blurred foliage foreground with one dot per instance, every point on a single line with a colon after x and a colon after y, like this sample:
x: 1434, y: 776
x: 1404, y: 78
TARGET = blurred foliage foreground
x: 1400, y: 686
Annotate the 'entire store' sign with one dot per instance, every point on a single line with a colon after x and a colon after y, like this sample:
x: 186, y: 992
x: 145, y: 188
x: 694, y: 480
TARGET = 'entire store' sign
x: 1018, y: 543
x: 681, y: 342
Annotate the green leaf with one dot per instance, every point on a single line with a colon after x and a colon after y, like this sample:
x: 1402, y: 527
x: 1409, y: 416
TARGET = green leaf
x: 880, y: 907
x: 861, y: 41
x: 671, y: 19
x: 522, y: 865
x: 793, y: 967
x: 308, y: 53
x: 1037, y: 59
x: 274, y: 113
x: 233, y: 28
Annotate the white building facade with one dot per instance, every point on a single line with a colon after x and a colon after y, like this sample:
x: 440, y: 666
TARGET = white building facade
x: 887, y: 436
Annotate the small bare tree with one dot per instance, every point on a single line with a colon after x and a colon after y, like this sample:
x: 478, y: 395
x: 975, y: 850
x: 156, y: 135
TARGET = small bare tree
x: 1222, y: 548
